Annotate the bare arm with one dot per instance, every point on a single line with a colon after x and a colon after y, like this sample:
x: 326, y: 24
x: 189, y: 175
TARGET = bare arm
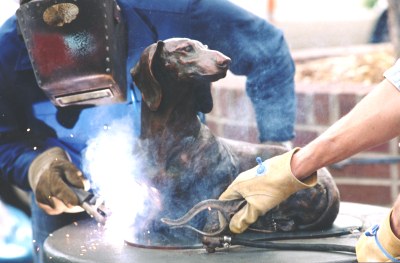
x: 374, y: 120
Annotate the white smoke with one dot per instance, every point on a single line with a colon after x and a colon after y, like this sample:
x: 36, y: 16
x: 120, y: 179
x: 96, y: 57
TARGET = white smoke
x: 113, y: 162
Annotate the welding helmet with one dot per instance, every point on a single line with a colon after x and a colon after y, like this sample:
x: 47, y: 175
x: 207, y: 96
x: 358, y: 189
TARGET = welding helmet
x: 77, y: 49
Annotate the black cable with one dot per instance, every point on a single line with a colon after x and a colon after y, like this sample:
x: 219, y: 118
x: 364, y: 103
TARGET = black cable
x: 293, y: 246
x: 302, y: 234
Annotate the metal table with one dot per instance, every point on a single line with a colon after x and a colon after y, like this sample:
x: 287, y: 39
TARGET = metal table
x: 85, y: 242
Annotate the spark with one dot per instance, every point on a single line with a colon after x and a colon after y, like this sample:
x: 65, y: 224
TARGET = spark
x: 113, y: 162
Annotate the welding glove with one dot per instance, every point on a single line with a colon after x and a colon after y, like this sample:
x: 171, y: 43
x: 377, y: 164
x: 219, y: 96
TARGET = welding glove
x: 264, y: 190
x: 378, y: 244
x: 50, y: 176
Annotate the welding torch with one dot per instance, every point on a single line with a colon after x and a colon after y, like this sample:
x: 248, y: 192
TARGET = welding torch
x: 93, y: 204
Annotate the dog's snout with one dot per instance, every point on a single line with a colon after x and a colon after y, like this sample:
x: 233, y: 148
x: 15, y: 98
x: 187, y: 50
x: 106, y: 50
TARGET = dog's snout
x: 223, y: 61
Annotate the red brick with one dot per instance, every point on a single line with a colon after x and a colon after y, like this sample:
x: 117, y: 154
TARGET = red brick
x: 374, y: 195
x: 321, y: 109
x: 234, y: 104
x: 362, y: 170
x: 230, y: 107
x: 303, y: 137
x: 383, y: 148
x: 237, y: 95
x: 398, y: 168
x: 303, y: 108
x: 213, y: 113
x: 243, y: 133
x: 346, y: 102
x: 223, y: 102
x: 240, y: 111
x: 213, y: 126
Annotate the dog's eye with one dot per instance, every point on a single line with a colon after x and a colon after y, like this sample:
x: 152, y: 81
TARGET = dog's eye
x: 188, y: 48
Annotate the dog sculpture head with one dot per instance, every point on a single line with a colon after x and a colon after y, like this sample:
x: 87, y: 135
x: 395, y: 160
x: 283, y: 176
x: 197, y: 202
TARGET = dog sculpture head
x: 177, y: 63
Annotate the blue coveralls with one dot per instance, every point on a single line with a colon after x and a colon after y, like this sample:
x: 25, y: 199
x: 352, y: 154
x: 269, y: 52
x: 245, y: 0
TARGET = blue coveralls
x: 30, y: 124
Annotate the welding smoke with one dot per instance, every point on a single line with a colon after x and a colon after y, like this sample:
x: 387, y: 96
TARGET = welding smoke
x: 115, y: 166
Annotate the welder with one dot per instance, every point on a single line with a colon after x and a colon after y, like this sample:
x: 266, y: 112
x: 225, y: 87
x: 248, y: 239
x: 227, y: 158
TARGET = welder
x: 64, y: 77
x: 373, y: 121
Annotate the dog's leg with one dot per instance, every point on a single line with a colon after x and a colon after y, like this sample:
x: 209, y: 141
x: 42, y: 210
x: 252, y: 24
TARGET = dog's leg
x: 246, y: 153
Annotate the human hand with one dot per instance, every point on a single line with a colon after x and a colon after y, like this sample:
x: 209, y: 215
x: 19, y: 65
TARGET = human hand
x: 264, y: 191
x: 378, y: 244
x: 50, y: 175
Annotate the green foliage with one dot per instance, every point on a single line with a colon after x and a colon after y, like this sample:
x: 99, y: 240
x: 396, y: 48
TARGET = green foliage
x: 370, y: 3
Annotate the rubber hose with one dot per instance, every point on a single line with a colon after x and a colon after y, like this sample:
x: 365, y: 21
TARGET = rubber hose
x: 294, y: 246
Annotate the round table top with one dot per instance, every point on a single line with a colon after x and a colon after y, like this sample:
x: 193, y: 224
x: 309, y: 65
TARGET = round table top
x: 85, y: 242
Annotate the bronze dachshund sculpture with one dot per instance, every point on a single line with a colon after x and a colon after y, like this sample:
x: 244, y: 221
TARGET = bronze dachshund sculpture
x: 187, y: 163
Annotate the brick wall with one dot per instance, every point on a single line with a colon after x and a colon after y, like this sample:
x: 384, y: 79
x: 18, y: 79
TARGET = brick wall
x: 369, y: 177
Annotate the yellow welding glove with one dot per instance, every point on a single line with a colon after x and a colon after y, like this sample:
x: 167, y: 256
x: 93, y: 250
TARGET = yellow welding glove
x: 50, y: 175
x: 378, y: 244
x: 263, y: 190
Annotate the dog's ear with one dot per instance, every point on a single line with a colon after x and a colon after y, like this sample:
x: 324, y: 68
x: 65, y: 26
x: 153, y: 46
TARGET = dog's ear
x: 144, y: 78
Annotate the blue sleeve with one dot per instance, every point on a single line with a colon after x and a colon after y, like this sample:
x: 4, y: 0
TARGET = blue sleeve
x: 259, y: 51
x: 17, y: 150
